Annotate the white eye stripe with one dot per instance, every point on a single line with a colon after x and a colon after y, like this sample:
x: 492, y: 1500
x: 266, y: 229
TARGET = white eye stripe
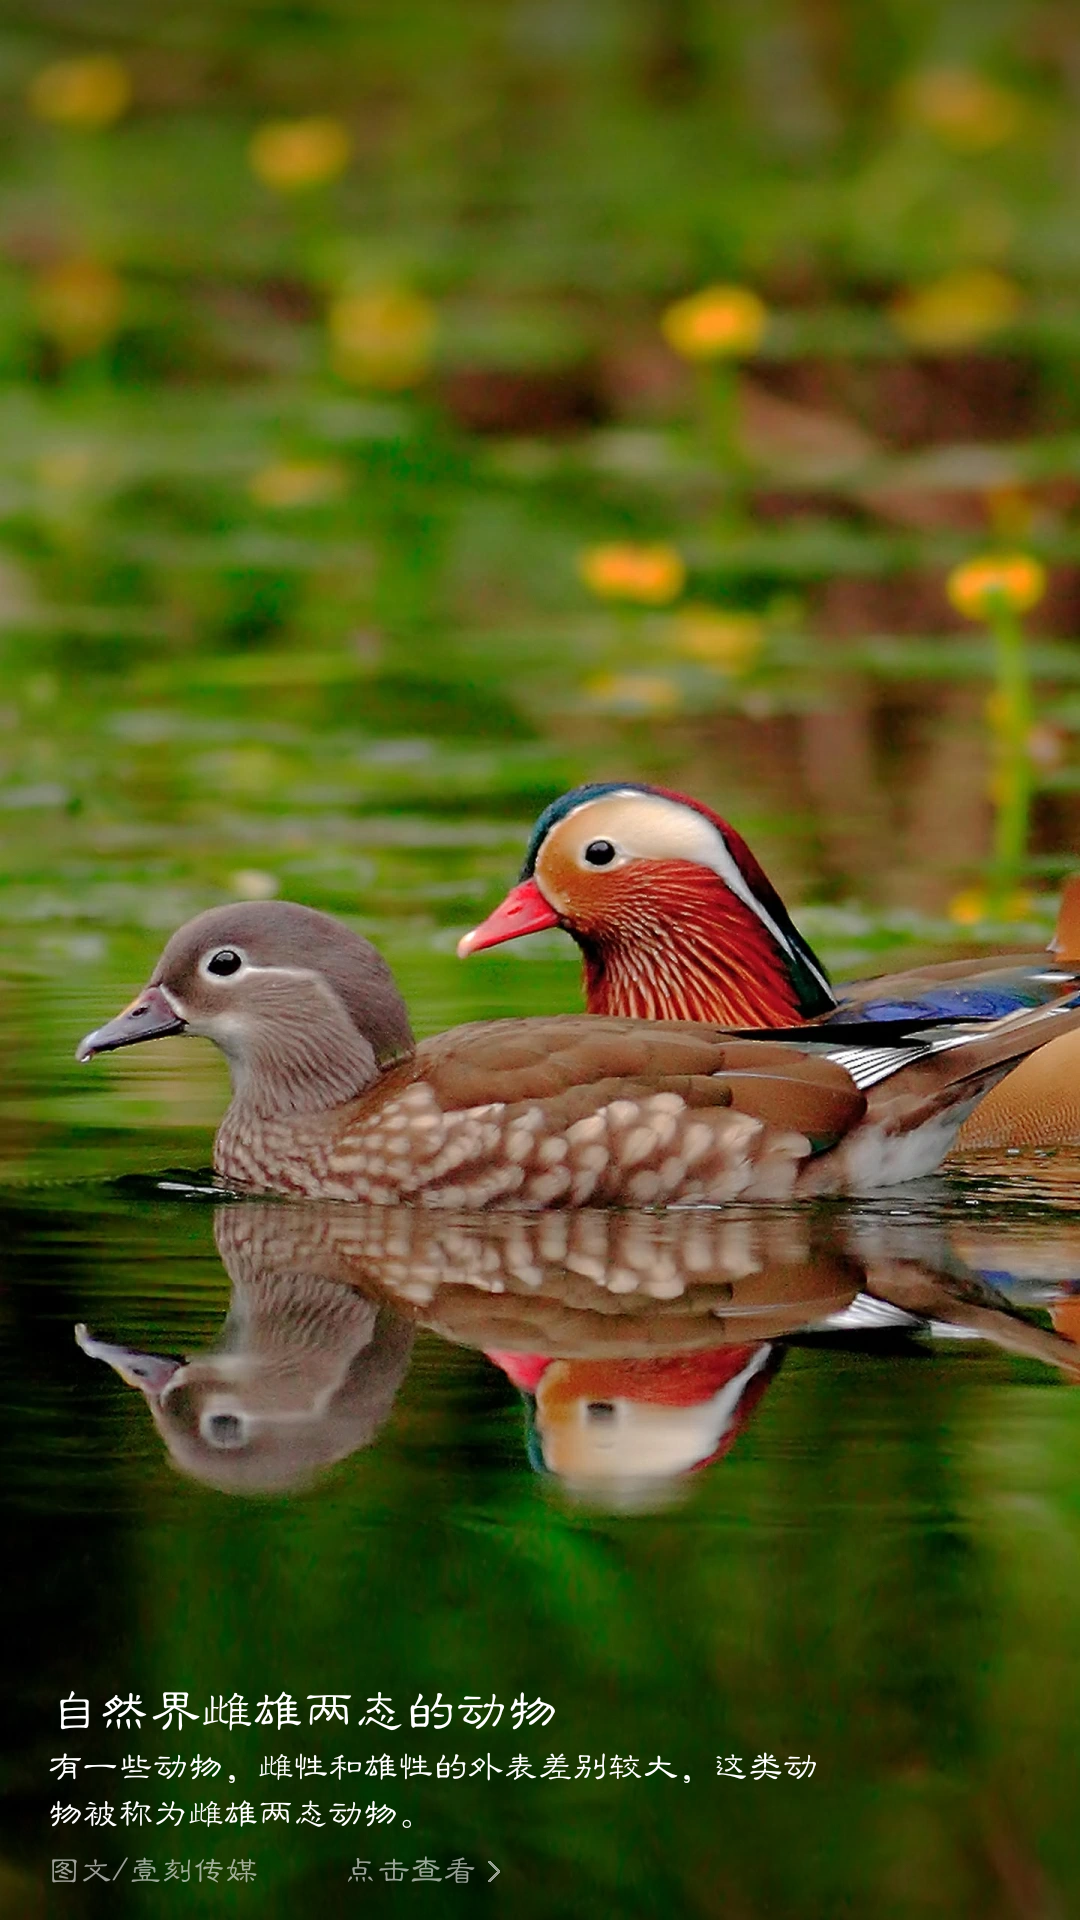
x: 728, y: 871
x: 249, y: 969
x: 286, y: 973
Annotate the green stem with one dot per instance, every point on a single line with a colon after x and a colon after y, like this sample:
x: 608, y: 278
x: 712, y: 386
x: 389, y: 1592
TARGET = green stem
x: 1013, y: 728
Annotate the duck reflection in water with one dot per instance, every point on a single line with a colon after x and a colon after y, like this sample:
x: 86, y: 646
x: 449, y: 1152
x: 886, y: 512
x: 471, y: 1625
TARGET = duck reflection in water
x: 303, y: 1374
x: 624, y: 1432
x: 641, y: 1344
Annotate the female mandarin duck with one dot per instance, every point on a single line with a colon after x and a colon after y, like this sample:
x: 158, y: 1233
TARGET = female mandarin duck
x: 677, y: 921
x: 333, y: 1099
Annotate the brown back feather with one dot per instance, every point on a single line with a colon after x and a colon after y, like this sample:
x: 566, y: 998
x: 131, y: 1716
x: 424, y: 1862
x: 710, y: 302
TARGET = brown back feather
x: 575, y: 1064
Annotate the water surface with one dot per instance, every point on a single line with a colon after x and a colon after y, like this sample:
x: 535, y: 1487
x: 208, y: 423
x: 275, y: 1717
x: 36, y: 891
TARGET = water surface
x: 796, y: 1484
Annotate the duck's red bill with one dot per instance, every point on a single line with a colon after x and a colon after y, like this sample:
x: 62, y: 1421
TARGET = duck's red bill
x: 523, y: 911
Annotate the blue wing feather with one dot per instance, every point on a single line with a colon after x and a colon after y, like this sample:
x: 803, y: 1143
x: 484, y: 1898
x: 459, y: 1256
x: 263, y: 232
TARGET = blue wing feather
x: 991, y: 997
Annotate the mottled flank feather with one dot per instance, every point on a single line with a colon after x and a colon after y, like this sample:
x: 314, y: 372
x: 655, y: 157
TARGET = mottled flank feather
x: 612, y: 1140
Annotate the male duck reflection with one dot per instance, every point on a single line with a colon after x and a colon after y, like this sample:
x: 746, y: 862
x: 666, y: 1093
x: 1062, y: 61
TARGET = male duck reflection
x: 677, y: 921
x: 333, y: 1099
x: 626, y: 1432
x: 642, y: 1344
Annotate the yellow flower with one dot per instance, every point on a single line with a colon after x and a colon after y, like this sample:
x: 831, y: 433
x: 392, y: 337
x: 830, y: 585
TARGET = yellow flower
x: 1017, y: 580
x: 297, y: 483
x: 382, y: 336
x: 89, y: 92
x: 967, y: 908
x: 974, y: 904
x: 78, y: 305
x: 652, y: 575
x: 730, y: 641
x: 964, y: 109
x: 635, y: 692
x: 716, y: 323
x: 960, y: 308
x: 293, y: 154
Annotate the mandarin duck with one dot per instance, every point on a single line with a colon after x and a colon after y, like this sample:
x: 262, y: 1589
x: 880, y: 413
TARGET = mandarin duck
x: 677, y: 921
x: 333, y: 1099
x: 1038, y: 1107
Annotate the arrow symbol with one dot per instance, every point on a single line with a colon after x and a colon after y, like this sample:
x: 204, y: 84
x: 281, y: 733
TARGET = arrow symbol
x: 495, y: 1875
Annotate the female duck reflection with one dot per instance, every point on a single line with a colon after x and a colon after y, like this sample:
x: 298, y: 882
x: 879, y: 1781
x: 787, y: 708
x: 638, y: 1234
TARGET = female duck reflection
x: 642, y: 1344
x: 304, y: 1372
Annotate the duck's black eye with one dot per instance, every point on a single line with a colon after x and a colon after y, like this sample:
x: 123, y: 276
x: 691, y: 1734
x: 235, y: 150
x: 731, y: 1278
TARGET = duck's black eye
x: 223, y: 1430
x: 599, y: 853
x: 226, y: 961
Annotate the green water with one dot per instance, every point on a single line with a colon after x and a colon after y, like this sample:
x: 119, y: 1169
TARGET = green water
x: 879, y: 1574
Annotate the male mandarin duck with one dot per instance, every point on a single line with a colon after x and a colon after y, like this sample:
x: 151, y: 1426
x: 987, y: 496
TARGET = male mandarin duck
x: 677, y: 921
x: 333, y: 1099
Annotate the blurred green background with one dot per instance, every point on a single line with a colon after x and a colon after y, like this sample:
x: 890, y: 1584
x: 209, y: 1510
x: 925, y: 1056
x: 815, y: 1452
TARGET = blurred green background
x: 408, y: 412
x: 357, y: 456
x: 364, y: 481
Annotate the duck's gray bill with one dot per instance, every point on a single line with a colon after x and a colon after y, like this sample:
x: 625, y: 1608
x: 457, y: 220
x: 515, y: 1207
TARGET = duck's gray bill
x: 150, y: 1372
x: 147, y: 1018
